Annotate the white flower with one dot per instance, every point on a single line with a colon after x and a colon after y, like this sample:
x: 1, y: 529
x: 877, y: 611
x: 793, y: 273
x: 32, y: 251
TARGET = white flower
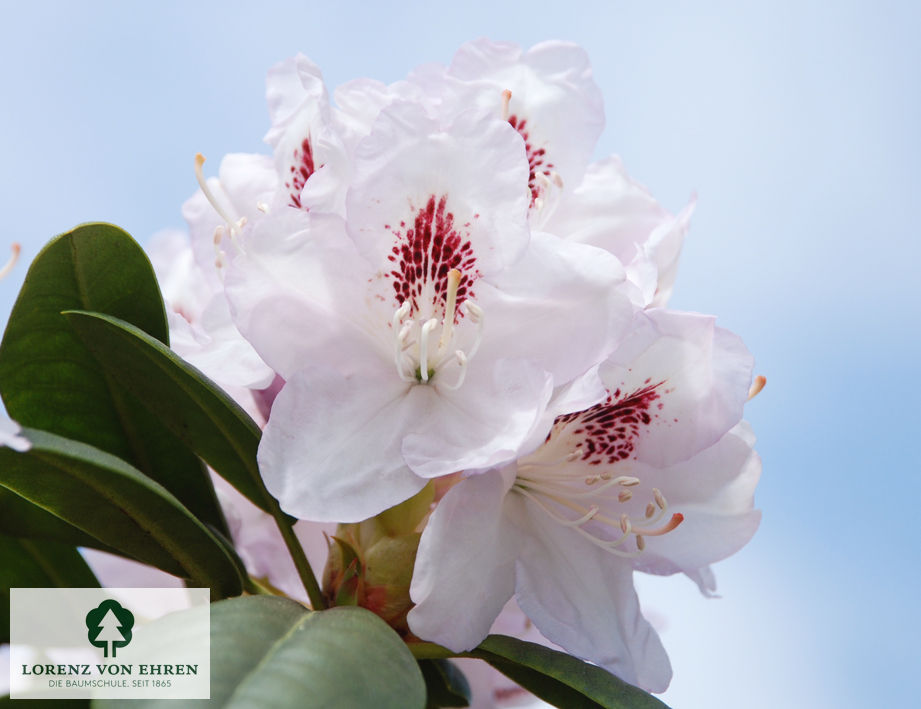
x: 658, y: 476
x: 608, y: 209
x: 10, y: 434
x: 201, y: 328
x: 546, y: 93
x: 424, y: 334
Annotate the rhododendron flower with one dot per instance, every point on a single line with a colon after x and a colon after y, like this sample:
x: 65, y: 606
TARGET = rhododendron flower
x: 424, y: 334
x: 657, y: 476
x: 608, y: 209
x: 10, y: 434
x: 201, y: 328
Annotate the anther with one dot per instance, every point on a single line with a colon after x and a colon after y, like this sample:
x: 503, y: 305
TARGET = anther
x: 650, y: 510
x: 262, y: 207
x: 757, y: 386
x: 625, y: 524
x: 454, y: 279
x: 675, y: 520
x: 640, y: 542
x: 628, y: 481
x: 624, y: 495
x: 14, y: 257
x: 660, y: 500
x: 506, y: 99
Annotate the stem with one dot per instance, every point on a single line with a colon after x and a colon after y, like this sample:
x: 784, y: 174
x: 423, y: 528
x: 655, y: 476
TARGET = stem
x: 317, y: 600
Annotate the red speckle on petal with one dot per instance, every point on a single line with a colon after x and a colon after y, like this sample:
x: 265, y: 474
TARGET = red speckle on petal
x: 537, y: 157
x: 423, y: 255
x: 300, y: 171
x: 608, y: 432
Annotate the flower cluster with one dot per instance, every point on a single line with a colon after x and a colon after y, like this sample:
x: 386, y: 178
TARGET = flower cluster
x: 430, y: 293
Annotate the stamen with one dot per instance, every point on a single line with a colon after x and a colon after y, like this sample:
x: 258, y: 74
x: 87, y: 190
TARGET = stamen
x: 640, y: 542
x: 676, y: 519
x: 660, y: 500
x: 506, y: 99
x: 199, y: 175
x: 454, y: 279
x: 14, y: 257
x: 757, y: 386
x: 424, y: 348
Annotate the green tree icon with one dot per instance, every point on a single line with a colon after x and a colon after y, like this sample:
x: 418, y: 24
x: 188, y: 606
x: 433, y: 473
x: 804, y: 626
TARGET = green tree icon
x: 109, y: 626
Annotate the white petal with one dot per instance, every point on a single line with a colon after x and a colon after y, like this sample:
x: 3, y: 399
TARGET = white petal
x: 219, y: 349
x: 331, y: 449
x: 714, y: 491
x: 559, y: 305
x: 613, y: 212
x: 9, y: 434
x: 243, y: 182
x: 689, y: 377
x: 476, y: 163
x: 465, y: 566
x: 552, y: 90
x: 483, y: 423
x: 297, y: 294
x: 291, y: 85
x: 583, y: 599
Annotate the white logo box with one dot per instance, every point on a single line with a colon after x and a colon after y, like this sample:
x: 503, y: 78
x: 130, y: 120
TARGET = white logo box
x: 110, y: 643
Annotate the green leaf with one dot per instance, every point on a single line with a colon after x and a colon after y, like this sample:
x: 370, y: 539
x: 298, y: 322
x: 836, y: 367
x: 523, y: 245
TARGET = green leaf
x: 445, y: 684
x: 51, y: 381
x: 26, y: 563
x: 190, y: 404
x: 561, y: 679
x: 272, y: 653
x: 20, y: 518
x: 105, y: 497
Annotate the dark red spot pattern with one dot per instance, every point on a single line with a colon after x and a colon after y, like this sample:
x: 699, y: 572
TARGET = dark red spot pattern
x: 607, y: 432
x: 537, y: 157
x: 301, y: 169
x: 425, y: 252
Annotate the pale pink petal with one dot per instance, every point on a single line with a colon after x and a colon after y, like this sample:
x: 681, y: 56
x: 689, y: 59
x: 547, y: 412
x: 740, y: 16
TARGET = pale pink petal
x: 560, y: 305
x: 481, y: 424
x: 684, y: 380
x: 608, y: 209
x: 244, y: 182
x: 475, y: 164
x: 714, y: 492
x: 298, y: 291
x: 10, y: 434
x: 555, y: 104
x: 331, y: 449
x: 465, y: 566
x: 582, y: 598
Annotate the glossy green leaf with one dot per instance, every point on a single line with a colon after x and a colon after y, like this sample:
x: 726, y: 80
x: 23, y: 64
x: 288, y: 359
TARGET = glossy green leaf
x: 105, y: 497
x: 190, y: 404
x: 20, y: 518
x: 26, y: 563
x: 561, y: 679
x: 272, y: 653
x: 445, y: 684
x: 50, y: 381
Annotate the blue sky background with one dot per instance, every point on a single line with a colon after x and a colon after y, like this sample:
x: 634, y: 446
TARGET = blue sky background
x: 799, y: 126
